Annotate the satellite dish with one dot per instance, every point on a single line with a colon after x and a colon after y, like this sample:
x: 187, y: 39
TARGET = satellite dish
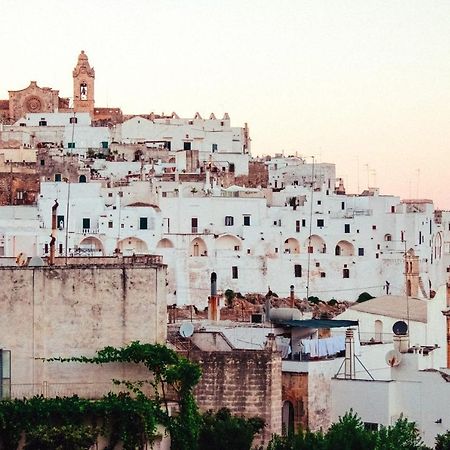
x: 393, y: 358
x: 21, y: 259
x: 186, y: 329
x: 400, y: 328
x: 36, y: 261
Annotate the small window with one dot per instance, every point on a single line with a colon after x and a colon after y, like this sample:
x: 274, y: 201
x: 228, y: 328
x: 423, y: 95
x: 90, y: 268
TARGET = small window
x: 194, y: 225
x: 360, y: 251
x: 110, y: 224
x: 371, y: 426
x: 186, y: 145
x: 345, y: 273
x: 317, y: 264
x: 60, y: 222
x: 19, y: 195
x: 249, y: 251
x: 60, y: 249
x: 320, y: 223
x: 347, y: 228
x: 42, y: 123
x: 392, y: 209
x: 86, y: 223
x: 229, y: 221
x: 42, y: 162
x: 377, y: 255
x: 71, y: 145
x: 234, y: 272
x: 82, y: 179
x: 297, y: 226
x: 374, y: 227
x: 73, y: 120
x: 237, y: 248
x: 120, y: 194
x: 297, y: 271
x: 214, y: 148
x: 276, y: 249
x: 247, y: 221
x: 143, y: 223
x: 303, y: 222
x: 319, y: 202
x: 323, y: 274
x: 45, y: 248
x: 342, y: 205
x: 57, y: 177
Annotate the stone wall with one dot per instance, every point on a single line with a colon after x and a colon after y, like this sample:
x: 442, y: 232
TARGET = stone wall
x: 69, y: 311
x: 19, y: 185
x: 247, y: 382
x: 295, y: 390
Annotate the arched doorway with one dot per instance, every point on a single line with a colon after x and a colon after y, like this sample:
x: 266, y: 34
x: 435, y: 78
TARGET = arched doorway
x: 287, y: 418
x: 291, y: 245
x: 198, y: 248
x: 132, y: 246
x: 90, y: 246
x: 344, y: 248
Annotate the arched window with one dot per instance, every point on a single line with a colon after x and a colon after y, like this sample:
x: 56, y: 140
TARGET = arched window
x: 82, y: 179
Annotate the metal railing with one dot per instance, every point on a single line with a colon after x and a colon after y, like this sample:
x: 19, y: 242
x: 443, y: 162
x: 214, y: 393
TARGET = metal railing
x: 91, y: 391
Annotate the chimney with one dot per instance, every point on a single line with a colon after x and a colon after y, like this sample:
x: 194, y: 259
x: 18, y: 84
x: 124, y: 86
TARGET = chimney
x: 349, y: 362
x: 213, y: 300
x: 53, y: 235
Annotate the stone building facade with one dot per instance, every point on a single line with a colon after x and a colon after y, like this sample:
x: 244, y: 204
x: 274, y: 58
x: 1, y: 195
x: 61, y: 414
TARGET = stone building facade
x: 75, y: 310
x: 247, y: 382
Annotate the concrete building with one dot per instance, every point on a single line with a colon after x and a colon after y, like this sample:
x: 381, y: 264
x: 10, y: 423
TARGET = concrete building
x: 75, y: 308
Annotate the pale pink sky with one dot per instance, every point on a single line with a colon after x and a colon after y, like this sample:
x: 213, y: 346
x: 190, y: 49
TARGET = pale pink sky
x: 353, y: 82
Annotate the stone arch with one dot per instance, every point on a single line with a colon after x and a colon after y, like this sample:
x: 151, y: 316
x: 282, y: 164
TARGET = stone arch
x: 165, y: 243
x: 291, y: 245
x: 228, y: 242
x: 132, y: 245
x: 315, y: 244
x: 91, y: 246
x: 198, y: 247
x: 344, y: 248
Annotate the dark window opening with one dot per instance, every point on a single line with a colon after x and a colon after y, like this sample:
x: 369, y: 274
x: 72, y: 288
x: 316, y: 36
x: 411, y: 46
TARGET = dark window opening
x: 143, y: 223
x: 345, y: 273
x: 347, y: 228
x: 229, y: 221
x: 297, y: 271
x: 234, y: 272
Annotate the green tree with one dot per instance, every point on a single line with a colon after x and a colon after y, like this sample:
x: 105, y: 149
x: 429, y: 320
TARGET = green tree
x: 66, y: 437
x: 443, y: 441
x: 349, y: 433
x: 364, y: 296
x: 223, y: 431
x: 403, y: 435
x: 302, y: 440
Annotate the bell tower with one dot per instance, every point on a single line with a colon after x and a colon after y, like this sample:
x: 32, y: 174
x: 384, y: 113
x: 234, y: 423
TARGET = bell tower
x: 83, y: 85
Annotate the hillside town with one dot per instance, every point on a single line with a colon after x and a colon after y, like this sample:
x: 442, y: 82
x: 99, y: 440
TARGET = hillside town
x: 299, y: 300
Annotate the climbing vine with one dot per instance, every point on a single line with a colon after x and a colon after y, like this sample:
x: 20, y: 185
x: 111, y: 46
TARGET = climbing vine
x: 131, y: 417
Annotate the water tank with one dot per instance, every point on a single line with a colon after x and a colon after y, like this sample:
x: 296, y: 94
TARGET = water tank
x: 277, y: 314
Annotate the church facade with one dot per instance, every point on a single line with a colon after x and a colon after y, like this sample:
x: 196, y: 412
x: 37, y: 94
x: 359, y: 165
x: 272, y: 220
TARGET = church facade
x: 36, y: 99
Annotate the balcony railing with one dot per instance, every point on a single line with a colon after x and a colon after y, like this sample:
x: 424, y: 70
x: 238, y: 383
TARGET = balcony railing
x: 84, y: 390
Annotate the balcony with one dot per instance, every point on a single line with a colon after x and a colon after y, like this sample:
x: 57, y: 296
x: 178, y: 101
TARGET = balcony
x: 90, y: 391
